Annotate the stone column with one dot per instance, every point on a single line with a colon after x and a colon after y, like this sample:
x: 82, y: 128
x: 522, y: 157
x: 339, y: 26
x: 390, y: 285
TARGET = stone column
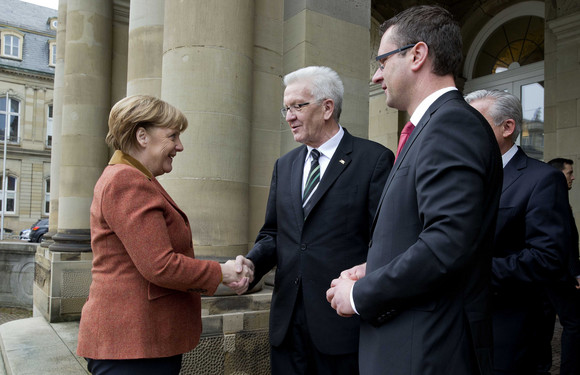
x: 62, y: 274
x: 267, y: 99
x: 562, y: 74
x: 85, y: 110
x: 57, y: 118
x: 145, y: 47
x: 207, y: 74
x: 337, y: 36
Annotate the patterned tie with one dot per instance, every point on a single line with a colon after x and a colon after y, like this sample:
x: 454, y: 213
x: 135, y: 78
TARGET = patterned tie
x: 405, y: 134
x: 313, y: 176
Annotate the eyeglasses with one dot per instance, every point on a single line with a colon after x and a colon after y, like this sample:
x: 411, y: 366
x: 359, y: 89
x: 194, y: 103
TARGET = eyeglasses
x: 384, y: 56
x: 293, y: 108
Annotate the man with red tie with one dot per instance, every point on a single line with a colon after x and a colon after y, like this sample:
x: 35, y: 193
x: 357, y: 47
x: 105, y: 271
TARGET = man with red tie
x: 423, y: 295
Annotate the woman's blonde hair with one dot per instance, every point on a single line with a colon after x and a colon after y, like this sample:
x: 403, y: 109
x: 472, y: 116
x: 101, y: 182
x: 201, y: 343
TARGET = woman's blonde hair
x: 140, y: 111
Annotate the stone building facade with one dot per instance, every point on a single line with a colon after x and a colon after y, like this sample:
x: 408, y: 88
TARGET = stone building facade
x: 27, y: 65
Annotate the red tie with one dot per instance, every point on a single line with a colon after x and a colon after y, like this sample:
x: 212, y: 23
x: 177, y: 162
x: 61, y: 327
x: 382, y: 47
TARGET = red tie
x: 405, y: 134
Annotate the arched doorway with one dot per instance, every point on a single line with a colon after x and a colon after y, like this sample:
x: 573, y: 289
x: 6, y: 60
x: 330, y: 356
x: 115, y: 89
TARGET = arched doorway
x: 508, y: 54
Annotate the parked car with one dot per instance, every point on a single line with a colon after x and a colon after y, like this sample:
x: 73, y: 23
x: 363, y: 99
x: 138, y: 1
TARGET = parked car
x: 25, y: 234
x: 38, y: 230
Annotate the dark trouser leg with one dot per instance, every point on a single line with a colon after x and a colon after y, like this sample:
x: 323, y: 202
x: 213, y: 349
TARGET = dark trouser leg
x: 298, y: 354
x: 146, y: 366
x: 566, y: 301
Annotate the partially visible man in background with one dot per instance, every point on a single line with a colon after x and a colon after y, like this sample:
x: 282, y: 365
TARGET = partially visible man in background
x: 564, y: 300
x: 532, y: 238
x: 567, y: 167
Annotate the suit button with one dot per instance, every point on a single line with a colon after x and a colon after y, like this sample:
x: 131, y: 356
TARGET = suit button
x: 297, y: 281
x: 303, y: 247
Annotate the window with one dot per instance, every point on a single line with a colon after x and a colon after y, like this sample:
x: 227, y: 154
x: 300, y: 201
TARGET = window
x: 10, y: 194
x: 13, y: 115
x: 52, y: 53
x: 507, y: 54
x: 516, y: 43
x: 532, y: 137
x: 49, y: 127
x: 11, y: 45
x: 53, y: 23
x: 46, y: 209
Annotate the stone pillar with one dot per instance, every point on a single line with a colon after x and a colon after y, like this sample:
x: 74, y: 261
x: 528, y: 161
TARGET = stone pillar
x: 145, y: 47
x: 120, y: 50
x: 57, y: 117
x: 207, y: 74
x: 62, y: 274
x: 337, y: 36
x: 85, y: 110
x: 267, y: 98
x: 562, y: 74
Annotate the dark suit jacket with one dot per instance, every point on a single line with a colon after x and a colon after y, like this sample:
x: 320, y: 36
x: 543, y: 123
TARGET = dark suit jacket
x: 333, y: 237
x: 424, y: 301
x: 531, y: 249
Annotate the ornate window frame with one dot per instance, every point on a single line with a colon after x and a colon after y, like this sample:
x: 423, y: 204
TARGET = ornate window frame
x: 14, y: 35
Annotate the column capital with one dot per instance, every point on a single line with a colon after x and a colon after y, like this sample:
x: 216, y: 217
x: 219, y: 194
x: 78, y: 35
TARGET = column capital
x: 567, y: 28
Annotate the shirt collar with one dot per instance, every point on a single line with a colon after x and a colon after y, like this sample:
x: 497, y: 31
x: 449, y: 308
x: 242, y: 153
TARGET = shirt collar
x: 329, y: 147
x: 119, y: 157
x: 509, y: 154
x: 426, y: 103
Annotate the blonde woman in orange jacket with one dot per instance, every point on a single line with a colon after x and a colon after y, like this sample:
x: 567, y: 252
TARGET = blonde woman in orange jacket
x: 144, y: 305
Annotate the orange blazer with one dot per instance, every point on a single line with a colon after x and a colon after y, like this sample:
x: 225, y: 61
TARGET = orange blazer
x: 145, y: 296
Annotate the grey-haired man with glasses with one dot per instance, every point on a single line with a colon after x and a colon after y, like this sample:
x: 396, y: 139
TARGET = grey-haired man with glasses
x: 322, y: 201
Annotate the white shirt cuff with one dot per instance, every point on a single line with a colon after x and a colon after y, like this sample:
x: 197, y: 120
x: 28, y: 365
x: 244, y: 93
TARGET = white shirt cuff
x: 352, y: 300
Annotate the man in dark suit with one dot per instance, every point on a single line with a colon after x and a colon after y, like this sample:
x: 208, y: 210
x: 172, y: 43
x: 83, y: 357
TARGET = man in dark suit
x: 423, y: 295
x: 316, y: 225
x: 563, y: 298
x: 532, y: 238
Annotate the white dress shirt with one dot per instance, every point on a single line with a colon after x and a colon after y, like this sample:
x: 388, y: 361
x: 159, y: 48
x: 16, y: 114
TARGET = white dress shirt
x: 505, y: 158
x: 327, y: 150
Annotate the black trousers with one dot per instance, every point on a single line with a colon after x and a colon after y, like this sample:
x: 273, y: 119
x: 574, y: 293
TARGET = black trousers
x: 298, y: 355
x: 564, y: 300
x: 145, y: 366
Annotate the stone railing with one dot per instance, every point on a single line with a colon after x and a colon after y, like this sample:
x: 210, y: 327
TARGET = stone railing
x: 17, y: 276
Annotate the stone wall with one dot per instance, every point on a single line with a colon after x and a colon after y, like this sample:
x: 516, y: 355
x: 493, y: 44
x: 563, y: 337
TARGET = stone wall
x: 16, y: 274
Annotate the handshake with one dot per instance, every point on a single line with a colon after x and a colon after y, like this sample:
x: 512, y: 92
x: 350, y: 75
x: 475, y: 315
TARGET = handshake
x: 238, y: 274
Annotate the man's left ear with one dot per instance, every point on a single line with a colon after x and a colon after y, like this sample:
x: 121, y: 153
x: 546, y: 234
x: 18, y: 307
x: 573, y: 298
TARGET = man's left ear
x: 419, y: 53
x: 328, y: 105
x: 509, y: 126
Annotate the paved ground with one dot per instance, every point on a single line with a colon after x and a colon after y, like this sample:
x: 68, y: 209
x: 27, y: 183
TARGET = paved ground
x: 9, y: 314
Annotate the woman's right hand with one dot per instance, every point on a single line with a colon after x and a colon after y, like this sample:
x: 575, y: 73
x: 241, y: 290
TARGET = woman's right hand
x: 238, y: 274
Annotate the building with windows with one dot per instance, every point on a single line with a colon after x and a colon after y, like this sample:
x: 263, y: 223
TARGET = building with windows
x: 27, y: 67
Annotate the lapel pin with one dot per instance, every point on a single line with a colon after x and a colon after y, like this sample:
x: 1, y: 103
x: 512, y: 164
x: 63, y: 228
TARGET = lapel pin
x: 341, y: 161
